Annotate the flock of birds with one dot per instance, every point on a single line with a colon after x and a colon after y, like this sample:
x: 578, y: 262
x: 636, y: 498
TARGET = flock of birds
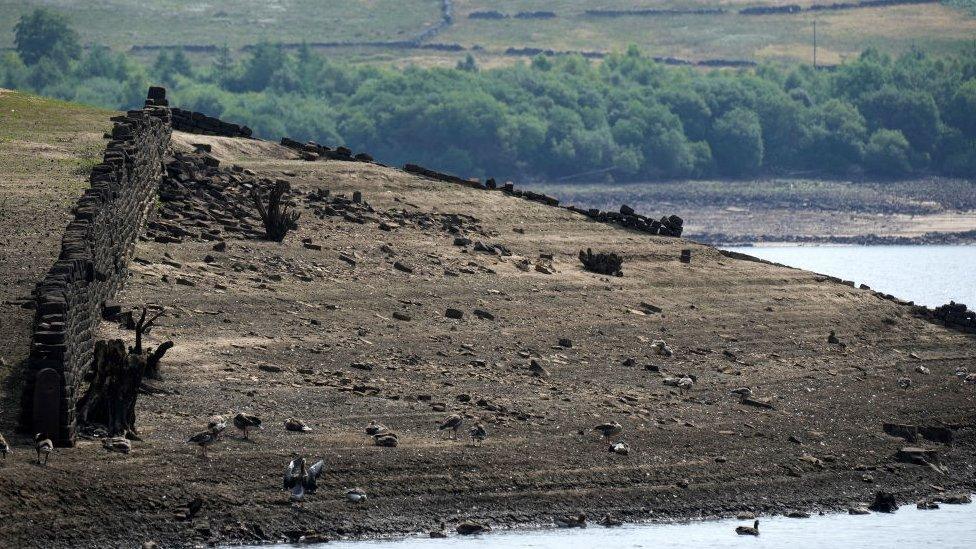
x: 301, y: 479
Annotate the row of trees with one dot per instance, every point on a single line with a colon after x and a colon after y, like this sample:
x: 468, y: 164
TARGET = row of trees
x: 556, y: 117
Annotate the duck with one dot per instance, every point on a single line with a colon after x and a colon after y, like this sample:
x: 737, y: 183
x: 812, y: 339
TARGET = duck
x: 748, y: 530
x: 469, y: 528
x: 570, y: 521
x: 246, y: 421
x: 297, y: 425
x: 4, y: 447
x: 478, y: 432
x: 203, y: 439
x: 356, y: 495
x: 375, y: 428
x: 609, y: 429
x: 609, y: 521
x: 453, y: 422
x: 43, y: 445
x: 301, y: 479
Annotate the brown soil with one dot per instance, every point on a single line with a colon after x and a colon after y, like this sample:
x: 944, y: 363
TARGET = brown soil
x: 274, y: 329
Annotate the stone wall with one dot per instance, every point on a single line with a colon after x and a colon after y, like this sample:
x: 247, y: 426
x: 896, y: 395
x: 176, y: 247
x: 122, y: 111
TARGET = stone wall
x: 91, y: 267
x: 199, y: 123
x: 671, y: 225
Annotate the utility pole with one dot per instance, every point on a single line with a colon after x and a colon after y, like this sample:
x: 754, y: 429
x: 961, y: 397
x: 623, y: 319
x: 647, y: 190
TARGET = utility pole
x: 814, y: 44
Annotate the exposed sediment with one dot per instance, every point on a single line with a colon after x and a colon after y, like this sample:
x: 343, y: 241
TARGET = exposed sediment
x: 402, y: 300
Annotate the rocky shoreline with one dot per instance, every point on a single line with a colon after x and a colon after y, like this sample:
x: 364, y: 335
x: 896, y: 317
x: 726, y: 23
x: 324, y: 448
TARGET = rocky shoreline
x: 964, y: 238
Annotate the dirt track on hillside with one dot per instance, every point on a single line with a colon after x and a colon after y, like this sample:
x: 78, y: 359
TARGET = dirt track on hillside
x: 285, y: 330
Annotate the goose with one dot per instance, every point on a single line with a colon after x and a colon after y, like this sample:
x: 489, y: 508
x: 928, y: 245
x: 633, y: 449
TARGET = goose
x: 748, y: 530
x: 621, y: 448
x: 570, y: 521
x: 203, y: 439
x: 375, y: 428
x: 468, y: 528
x: 301, y: 479
x: 478, y: 432
x: 453, y: 422
x: 388, y: 439
x: 297, y: 425
x: 609, y: 429
x: 609, y: 521
x: 43, y: 446
x: 217, y: 424
x: 246, y: 421
x: 439, y: 534
x: 4, y: 447
x: 356, y: 495
x: 743, y: 392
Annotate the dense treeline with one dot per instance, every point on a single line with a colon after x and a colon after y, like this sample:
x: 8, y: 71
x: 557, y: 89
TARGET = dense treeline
x: 627, y: 116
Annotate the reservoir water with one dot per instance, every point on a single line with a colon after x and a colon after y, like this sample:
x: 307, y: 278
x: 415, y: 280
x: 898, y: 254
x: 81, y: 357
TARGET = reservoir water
x: 927, y: 275
x: 951, y: 527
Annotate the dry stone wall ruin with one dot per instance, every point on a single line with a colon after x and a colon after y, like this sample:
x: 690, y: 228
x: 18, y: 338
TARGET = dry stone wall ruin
x: 90, y: 269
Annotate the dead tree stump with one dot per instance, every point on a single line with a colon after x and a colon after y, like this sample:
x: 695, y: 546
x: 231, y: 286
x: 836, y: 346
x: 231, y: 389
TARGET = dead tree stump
x: 277, y: 218
x: 117, y: 376
x: 602, y: 263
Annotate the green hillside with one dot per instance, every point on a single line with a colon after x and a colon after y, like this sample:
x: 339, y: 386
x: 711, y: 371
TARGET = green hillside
x: 392, y: 30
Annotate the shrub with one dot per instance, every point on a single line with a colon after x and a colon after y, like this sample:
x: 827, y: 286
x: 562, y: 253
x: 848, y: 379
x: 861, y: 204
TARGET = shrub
x: 888, y: 153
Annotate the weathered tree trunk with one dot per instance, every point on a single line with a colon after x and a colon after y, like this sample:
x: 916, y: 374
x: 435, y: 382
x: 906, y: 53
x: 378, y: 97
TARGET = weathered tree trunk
x: 117, y: 375
x: 276, y: 217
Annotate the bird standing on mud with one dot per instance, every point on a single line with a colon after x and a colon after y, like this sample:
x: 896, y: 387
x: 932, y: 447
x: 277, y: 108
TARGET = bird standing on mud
x: 301, y: 479
x: 478, y: 432
x: 748, y: 530
x: 4, y: 447
x: 43, y: 446
x: 246, y: 421
x: 609, y: 429
x: 375, y: 428
x: 203, y: 439
x: 453, y: 422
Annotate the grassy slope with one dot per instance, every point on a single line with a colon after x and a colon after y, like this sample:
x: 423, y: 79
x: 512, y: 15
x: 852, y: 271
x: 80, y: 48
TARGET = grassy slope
x: 47, y: 149
x: 172, y: 22
x: 934, y: 27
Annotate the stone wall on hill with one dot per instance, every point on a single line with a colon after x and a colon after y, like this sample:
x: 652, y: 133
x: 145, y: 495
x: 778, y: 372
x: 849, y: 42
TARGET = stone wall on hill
x: 91, y: 267
x: 199, y: 123
x: 670, y: 225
